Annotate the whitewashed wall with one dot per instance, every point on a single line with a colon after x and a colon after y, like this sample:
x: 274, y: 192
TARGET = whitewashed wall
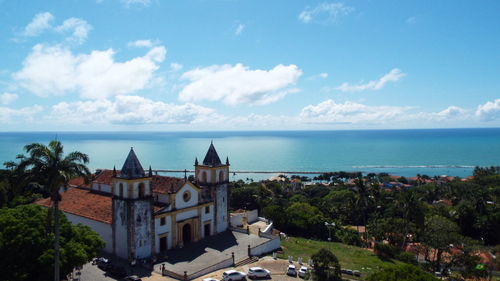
x: 179, y: 201
x: 237, y: 218
x: 207, y: 217
x: 162, y: 229
x: 187, y: 215
x: 103, y: 229
x: 266, y: 247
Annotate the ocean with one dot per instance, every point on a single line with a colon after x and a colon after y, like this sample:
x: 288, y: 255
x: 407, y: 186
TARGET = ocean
x: 452, y: 152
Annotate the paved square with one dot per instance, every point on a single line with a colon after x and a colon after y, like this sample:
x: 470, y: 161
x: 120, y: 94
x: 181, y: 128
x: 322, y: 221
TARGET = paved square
x: 209, y: 251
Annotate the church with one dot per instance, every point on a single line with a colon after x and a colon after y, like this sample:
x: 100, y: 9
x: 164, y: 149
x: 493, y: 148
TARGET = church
x: 140, y: 215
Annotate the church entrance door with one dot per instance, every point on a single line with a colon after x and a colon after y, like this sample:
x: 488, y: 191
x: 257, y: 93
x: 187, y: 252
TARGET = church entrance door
x: 163, y: 244
x: 186, y: 233
x: 207, y: 230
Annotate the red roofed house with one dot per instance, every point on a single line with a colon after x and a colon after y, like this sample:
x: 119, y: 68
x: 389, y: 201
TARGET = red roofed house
x: 139, y: 214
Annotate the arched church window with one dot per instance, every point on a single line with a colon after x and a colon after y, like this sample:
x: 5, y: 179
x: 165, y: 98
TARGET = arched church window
x: 121, y: 189
x: 141, y: 190
x: 221, y: 176
x: 204, y: 177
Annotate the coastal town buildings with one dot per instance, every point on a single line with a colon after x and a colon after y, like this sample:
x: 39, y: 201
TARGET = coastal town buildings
x: 140, y: 215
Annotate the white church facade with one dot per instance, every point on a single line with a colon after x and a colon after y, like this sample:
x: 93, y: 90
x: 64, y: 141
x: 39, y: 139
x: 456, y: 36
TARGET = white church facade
x: 140, y: 215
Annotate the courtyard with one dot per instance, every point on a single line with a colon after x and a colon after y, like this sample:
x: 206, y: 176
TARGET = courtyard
x: 209, y: 251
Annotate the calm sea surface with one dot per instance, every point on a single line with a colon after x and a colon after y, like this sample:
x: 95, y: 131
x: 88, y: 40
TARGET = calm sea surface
x: 401, y: 152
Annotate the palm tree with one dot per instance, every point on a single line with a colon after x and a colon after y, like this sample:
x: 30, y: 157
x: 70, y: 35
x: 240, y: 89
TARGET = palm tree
x: 409, y: 203
x: 50, y: 164
x: 361, y: 203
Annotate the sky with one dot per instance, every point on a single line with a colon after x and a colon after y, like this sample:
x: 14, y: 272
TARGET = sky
x: 199, y: 65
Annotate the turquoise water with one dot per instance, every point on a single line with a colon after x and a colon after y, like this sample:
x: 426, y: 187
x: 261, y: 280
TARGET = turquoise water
x: 401, y: 152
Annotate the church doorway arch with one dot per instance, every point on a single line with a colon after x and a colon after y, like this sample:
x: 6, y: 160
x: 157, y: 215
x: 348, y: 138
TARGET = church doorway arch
x: 186, y: 233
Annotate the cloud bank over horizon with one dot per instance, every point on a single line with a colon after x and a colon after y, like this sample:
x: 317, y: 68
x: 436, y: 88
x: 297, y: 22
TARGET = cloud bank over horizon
x: 70, y: 70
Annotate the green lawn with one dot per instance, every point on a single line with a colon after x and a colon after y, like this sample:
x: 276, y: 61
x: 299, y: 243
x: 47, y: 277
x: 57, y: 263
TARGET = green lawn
x: 350, y: 257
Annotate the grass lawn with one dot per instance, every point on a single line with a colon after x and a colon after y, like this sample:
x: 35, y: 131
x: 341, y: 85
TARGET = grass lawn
x: 350, y: 257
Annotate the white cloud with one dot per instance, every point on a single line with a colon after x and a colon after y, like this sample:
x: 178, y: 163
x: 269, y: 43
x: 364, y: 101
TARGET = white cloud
x: 141, y: 43
x: 55, y: 70
x: 129, y: 110
x: 25, y: 114
x: 393, y: 76
x: 175, y: 66
x: 324, y: 13
x: 451, y: 112
x: 489, y: 111
x: 7, y: 98
x: 38, y: 24
x: 236, y: 84
x: 323, y: 75
x: 79, y: 28
x: 239, y: 29
x: 349, y: 112
x: 129, y: 3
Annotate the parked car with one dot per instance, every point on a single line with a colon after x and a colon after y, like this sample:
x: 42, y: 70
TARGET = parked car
x: 303, y: 271
x: 356, y: 273
x: 103, y: 263
x: 132, y: 278
x: 291, y: 270
x: 258, y: 272
x: 232, y: 275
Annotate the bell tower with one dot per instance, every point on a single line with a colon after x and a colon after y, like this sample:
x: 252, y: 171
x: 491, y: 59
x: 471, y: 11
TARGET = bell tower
x: 133, y: 223
x: 214, y: 176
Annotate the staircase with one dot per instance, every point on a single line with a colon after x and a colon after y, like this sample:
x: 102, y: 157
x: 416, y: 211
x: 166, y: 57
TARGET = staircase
x: 248, y: 260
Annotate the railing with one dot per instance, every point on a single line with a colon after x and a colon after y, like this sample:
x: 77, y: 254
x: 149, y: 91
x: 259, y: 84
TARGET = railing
x: 222, y: 264
x: 237, y: 229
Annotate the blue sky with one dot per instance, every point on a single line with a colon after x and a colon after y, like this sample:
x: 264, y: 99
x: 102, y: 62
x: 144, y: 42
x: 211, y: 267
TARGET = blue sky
x: 248, y: 65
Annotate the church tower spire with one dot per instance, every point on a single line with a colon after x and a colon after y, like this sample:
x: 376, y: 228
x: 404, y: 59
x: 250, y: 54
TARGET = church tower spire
x: 132, y: 223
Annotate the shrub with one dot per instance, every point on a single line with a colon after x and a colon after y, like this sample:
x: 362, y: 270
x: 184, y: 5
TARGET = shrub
x: 406, y: 257
x: 348, y: 236
x: 385, y: 251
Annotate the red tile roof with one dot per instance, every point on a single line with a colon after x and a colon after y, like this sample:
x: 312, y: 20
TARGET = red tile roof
x: 87, y: 204
x: 84, y: 203
x: 161, y: 184
x: 105, y: 177
x: 165, y: 185
x: 78, y: 182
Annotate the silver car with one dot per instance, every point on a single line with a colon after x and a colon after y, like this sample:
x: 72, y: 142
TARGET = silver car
x: 232, y: 275
x: 258, y: 272
x: 303, y: 271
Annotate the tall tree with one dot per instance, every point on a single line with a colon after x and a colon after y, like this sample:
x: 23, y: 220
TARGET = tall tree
x: 326, y: 266
x: 57, y: 169
x: 26, y: 251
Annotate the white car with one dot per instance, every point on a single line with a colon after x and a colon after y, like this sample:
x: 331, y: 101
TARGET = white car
x: 258, y: 272
x: 232, y: 275
x: 210, y: 279
x: 291, y: 270
x: 303, y: 271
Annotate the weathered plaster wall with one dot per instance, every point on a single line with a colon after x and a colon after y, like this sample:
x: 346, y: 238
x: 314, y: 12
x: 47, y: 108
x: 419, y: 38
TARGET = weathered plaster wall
x: 221, y: 212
